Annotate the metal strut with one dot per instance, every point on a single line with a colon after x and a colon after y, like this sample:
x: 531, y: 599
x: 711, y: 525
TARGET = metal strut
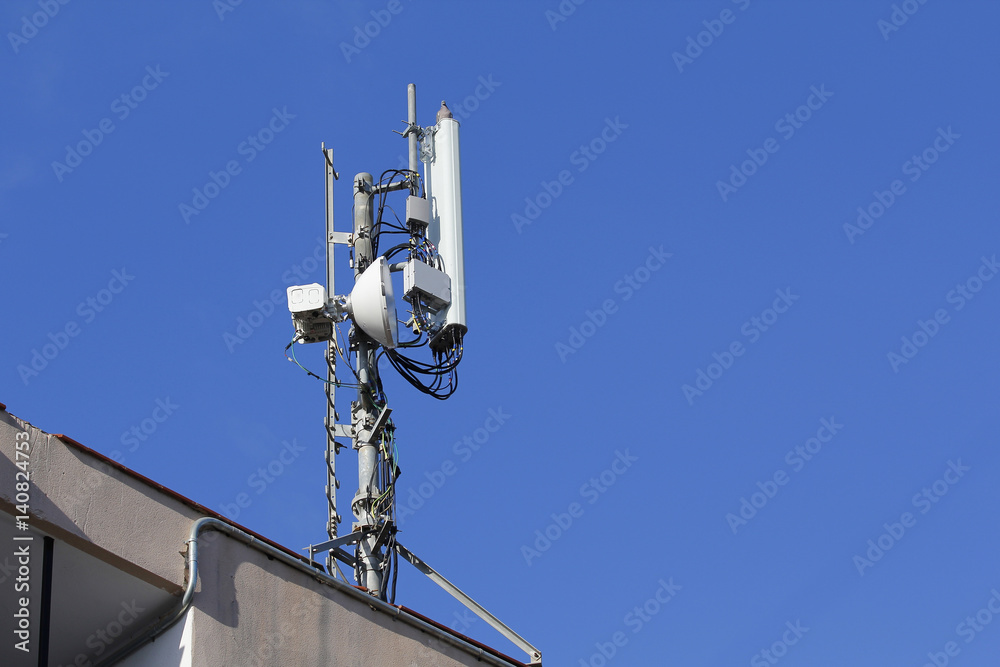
x: 480, y: 611
x: 334, y: 546
x: 332, y: 446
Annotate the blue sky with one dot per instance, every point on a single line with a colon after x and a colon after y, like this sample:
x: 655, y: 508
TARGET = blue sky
x: 704, y: 241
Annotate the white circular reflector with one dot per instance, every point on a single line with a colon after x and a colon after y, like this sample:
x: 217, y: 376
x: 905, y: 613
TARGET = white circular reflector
x: 372, y: 306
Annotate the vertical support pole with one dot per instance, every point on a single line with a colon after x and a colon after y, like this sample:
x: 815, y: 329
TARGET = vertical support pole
x: 331, y: 359
x: 363, y: 412
x: 45, y: 615
x: 411, y: 118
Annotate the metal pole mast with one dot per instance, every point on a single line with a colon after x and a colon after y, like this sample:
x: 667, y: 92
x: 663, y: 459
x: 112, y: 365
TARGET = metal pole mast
x: 332, y: 447
x: 371, y: 430
x: 363, y: 412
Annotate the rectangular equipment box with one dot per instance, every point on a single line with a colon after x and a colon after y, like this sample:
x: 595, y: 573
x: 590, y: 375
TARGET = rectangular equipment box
x: 418, y: 212
x: 303, y: 298
x: 433, y: 287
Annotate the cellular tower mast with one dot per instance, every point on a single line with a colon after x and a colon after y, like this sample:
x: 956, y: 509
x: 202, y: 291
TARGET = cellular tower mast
x: 426, y: 247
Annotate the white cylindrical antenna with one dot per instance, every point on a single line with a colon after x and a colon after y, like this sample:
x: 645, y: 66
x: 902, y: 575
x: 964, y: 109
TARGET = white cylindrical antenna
x: 411, y: 117
x: 444, y: 189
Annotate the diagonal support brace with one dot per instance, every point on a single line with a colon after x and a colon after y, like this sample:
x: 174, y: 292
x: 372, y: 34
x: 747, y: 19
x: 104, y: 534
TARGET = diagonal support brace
x: 534, y: 654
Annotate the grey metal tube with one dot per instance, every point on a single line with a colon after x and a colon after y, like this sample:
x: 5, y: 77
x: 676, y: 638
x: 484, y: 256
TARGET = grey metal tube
x: 166, y: 621
x: 363, y: 222
x: 366, y: 550
x: 392, y: 187
x: 477, y: 608
x: 211, y: 523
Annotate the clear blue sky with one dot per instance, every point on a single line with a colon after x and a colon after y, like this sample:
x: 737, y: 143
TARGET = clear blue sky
x: 671, y: 291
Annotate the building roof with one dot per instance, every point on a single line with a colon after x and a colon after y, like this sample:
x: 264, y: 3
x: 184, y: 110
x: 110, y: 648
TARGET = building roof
x: 108, y: 549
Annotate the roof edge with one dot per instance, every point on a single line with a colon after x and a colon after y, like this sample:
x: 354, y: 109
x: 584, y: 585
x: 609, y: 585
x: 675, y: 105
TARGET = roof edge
x: 65, y: 439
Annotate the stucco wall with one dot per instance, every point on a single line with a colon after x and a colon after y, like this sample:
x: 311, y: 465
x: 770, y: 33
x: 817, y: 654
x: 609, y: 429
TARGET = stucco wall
x: 255, y: 610
x: 248, y: 609
x: 97, y: 507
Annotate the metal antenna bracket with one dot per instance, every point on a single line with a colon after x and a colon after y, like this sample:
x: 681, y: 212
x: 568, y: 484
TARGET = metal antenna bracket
x: 427, y: 144
x: 534, y: 655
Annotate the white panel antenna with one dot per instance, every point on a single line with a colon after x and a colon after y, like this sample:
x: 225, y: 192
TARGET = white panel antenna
x: 444, y: 191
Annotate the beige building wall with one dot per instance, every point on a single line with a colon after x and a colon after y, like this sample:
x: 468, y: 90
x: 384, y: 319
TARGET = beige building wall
x: 117, y: 565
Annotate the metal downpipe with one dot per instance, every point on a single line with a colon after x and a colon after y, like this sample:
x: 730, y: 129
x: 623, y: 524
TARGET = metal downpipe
x: 166, y: 621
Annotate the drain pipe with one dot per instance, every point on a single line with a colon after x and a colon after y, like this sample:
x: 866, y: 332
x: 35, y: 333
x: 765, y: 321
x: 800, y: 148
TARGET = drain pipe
x: 166, y: 621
